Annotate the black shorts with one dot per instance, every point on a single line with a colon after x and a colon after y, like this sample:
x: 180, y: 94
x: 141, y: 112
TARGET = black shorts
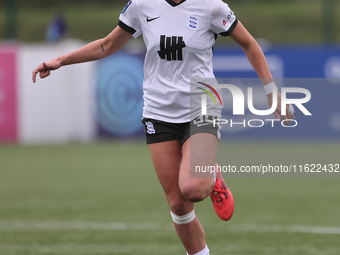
x: 157, y: 131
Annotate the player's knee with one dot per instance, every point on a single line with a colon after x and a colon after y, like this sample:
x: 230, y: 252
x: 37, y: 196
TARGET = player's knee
x: 178, y: 206
x: 193, y: 193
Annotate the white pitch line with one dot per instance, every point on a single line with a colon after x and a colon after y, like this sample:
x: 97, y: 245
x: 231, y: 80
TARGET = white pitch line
x: 290, y: 229
x: 82, y: 225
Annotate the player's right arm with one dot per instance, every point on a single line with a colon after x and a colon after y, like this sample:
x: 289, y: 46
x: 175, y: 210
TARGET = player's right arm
x: 93, y: 51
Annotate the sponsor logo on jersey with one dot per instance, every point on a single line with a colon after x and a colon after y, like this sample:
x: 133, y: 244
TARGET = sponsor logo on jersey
x: 230, y: 15
x: 193, y: 22
x: 228, y: 18
x: 128, y: 4
x: 151, y: 19
x: 150, y: 128
x: 171, y: 48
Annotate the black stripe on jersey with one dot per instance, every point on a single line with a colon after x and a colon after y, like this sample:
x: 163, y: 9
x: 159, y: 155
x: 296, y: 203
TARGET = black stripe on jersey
x: 126, y: 27
x: 173, y: 4
x: 231, y: 29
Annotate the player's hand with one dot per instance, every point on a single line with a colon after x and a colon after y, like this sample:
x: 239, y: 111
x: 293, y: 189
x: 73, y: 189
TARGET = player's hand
x: 289, y: 109
x: 45, y: 68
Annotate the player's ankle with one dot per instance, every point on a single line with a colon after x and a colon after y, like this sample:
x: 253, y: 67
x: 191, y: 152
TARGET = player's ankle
x: 205, y: 251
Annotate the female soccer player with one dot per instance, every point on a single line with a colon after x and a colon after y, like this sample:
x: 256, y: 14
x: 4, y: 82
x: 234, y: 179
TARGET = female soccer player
x: 179, y: 35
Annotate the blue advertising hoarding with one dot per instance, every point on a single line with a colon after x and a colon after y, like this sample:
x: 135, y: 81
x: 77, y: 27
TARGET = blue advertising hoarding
x: 119, y: 90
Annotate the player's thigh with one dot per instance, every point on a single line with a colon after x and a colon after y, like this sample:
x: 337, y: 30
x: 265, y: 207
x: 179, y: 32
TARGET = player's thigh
x: 199, y: 153
x: 167, y: 157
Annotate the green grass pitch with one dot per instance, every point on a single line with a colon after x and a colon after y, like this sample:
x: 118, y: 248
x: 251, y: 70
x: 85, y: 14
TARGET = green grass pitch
x: 104, y: 198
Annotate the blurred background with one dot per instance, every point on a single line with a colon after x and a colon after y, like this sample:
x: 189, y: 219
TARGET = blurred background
x: 76, y: 176
x: 299, y: 37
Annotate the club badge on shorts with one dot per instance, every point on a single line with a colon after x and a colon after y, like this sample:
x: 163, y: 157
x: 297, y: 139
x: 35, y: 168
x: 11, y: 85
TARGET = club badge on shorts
x: 150, y: 128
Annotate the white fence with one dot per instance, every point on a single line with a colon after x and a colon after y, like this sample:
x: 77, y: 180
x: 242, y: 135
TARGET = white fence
x: 58, y: 108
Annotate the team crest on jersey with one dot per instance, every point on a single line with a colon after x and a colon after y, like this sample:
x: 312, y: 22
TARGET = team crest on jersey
x: 150, y: 128
x: 128, y: 4
x: 193, y: 22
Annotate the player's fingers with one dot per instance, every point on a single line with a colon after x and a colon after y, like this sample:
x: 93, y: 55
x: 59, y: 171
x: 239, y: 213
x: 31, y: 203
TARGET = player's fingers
x: 34, y: 73
x: 44, y: 74
x: 286, y: 119
x: 44, y: 70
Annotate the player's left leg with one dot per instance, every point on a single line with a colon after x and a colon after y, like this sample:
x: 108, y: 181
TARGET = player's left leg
x: 199, y: 152
x: 199, y: 177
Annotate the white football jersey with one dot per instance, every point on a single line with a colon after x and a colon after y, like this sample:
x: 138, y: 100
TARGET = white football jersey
x: 179, y: 40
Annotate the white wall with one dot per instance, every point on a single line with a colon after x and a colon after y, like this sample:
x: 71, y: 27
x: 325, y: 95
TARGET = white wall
x: 59, y: 108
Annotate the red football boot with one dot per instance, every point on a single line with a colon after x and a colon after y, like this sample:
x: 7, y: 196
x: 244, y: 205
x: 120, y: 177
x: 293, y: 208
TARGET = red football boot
x: 222, y: 198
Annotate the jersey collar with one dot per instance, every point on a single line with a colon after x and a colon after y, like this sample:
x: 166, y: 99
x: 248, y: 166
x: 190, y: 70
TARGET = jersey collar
x: 173, y: 4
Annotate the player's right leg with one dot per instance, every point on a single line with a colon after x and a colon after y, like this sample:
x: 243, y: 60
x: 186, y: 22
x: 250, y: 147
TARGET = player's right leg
x: 166, y: 157
x: 165, y: 146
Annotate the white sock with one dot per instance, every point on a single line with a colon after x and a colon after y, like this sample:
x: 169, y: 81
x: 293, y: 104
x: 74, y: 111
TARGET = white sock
x: 205, y: 251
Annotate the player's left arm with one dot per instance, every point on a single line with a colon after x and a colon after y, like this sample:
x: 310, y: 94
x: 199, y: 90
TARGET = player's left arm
x: 257, y: 59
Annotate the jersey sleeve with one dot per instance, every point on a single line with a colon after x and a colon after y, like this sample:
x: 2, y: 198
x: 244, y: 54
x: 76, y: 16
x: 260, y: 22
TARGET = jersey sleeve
x: 222, y: 20
x: 129, y: 19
